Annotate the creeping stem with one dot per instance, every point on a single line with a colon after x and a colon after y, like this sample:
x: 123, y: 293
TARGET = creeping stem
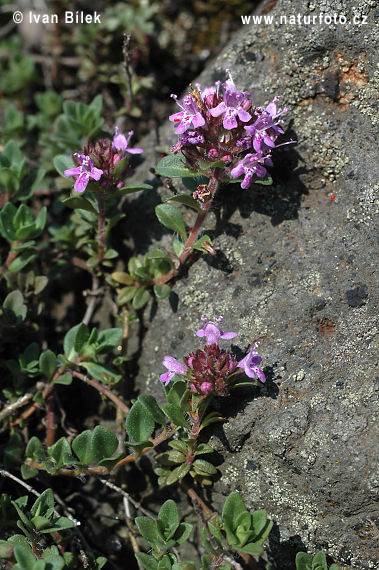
x: 101, y: 226
x: 194, y: 232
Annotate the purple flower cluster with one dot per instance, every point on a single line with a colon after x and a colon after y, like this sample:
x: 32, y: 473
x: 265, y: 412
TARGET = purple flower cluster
x: 227, y: 130
x: 210, y: 370
x: 106, y: 154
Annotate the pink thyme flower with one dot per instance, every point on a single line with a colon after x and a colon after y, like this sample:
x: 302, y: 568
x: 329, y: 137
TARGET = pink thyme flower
x: 233, y: 105
x: 212, y: 332
x: 84, y: 171
x: 121, y: 142
x: 190, y: 114
x: 265, y: 130
x: 174, y: 367
x: 249, y: 364
x: 251, y: 164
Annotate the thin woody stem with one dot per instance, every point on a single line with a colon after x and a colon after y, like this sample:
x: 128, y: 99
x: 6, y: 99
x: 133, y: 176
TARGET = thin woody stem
x: 187, y: 248
x: 102, y: 389
x: 166, y: 433
x: 50, y: 421
x: 101, y: 227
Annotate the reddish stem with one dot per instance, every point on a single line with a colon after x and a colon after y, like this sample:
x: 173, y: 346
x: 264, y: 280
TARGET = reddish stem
x: 101, y: 227
x: 50, y: 421
x: 102, y: 389
x: 187, y: 248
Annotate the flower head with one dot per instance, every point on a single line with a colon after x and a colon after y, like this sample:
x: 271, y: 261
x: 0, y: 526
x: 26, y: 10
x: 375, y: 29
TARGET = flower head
x: 249, y: 364
x: 210, y: 370
x: 174, y: 367
x: 212, y: 331
x: 84, y: 172
x: 121, y: 142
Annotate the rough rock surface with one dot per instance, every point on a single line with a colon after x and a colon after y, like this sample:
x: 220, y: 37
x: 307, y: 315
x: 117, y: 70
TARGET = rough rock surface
x: 296, y: 272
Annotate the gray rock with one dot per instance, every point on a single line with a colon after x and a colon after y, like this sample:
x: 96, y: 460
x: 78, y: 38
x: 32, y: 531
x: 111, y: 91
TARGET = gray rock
x: 296, y: 272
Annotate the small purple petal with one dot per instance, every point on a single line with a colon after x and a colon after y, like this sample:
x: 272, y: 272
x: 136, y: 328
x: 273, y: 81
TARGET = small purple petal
x: 244, y: 115
x: 95, y: 173
x: 73, y: 171
x: 81, y: 182
x: 166, y: 377
x: 217, y: 111
x: 198, y: 120
x: 174, y: 365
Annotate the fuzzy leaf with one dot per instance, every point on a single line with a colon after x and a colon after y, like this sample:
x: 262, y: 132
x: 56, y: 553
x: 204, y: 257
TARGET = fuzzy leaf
x: 63, y: 162
x: 185, y: 199
x: 171, y: 218
x: 150, y: 403
x: 48, y: 363
x: 81, y: 203
x: 173, y: 166
x: 176, y: 415
x: 148, y: 529
x: 141, y: 297
x: 139, y: 423
x: 161, y: 291
x: 168, y: 519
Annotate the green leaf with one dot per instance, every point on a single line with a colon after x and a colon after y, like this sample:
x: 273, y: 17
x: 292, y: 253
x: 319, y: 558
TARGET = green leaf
x: 251, y: 548
x: 172, y: 166
x: 152, y: 408
x: 82, y: 203
x: 83, y: 448
x: 24, y: 557
x: 48, y: 363
x: 30, y: 183
x: 81, y: 337
x: 233, y: 507
x: 185, y: 199
x: 147, y: 561
x: 139, y: 422
x: 203, y: 448
x: 176, y: 415
x: 122, y: 277
x: 64, y: 379
x: 203, y: 467
x: 303, y: 561
x: 161, y: 291
x: 148, y: 529
x: 178, y: 246
x: 131, y: 188
x: 140, y: 299
x: 34, y: 449
x: 108, y: 339
x: 61, y: 452
x: 178, y: 393
x: 68, y: 342
x: 63, y: 162
x: 104, y: 442
x: 7, y: 228
x: 101, y: 372
x: 319, y: 561
x: 97, y: 104
x: 178, y: 473
x: 14, y: 309
x: 183, y: 532
x: 44, y: 505
x: 126, y: 294
x: 9, y: 181
x: 22, y: 261
x: 60, y: 524
x: 171, y: 218
x: 28, y: 472
x: 168, y: 519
